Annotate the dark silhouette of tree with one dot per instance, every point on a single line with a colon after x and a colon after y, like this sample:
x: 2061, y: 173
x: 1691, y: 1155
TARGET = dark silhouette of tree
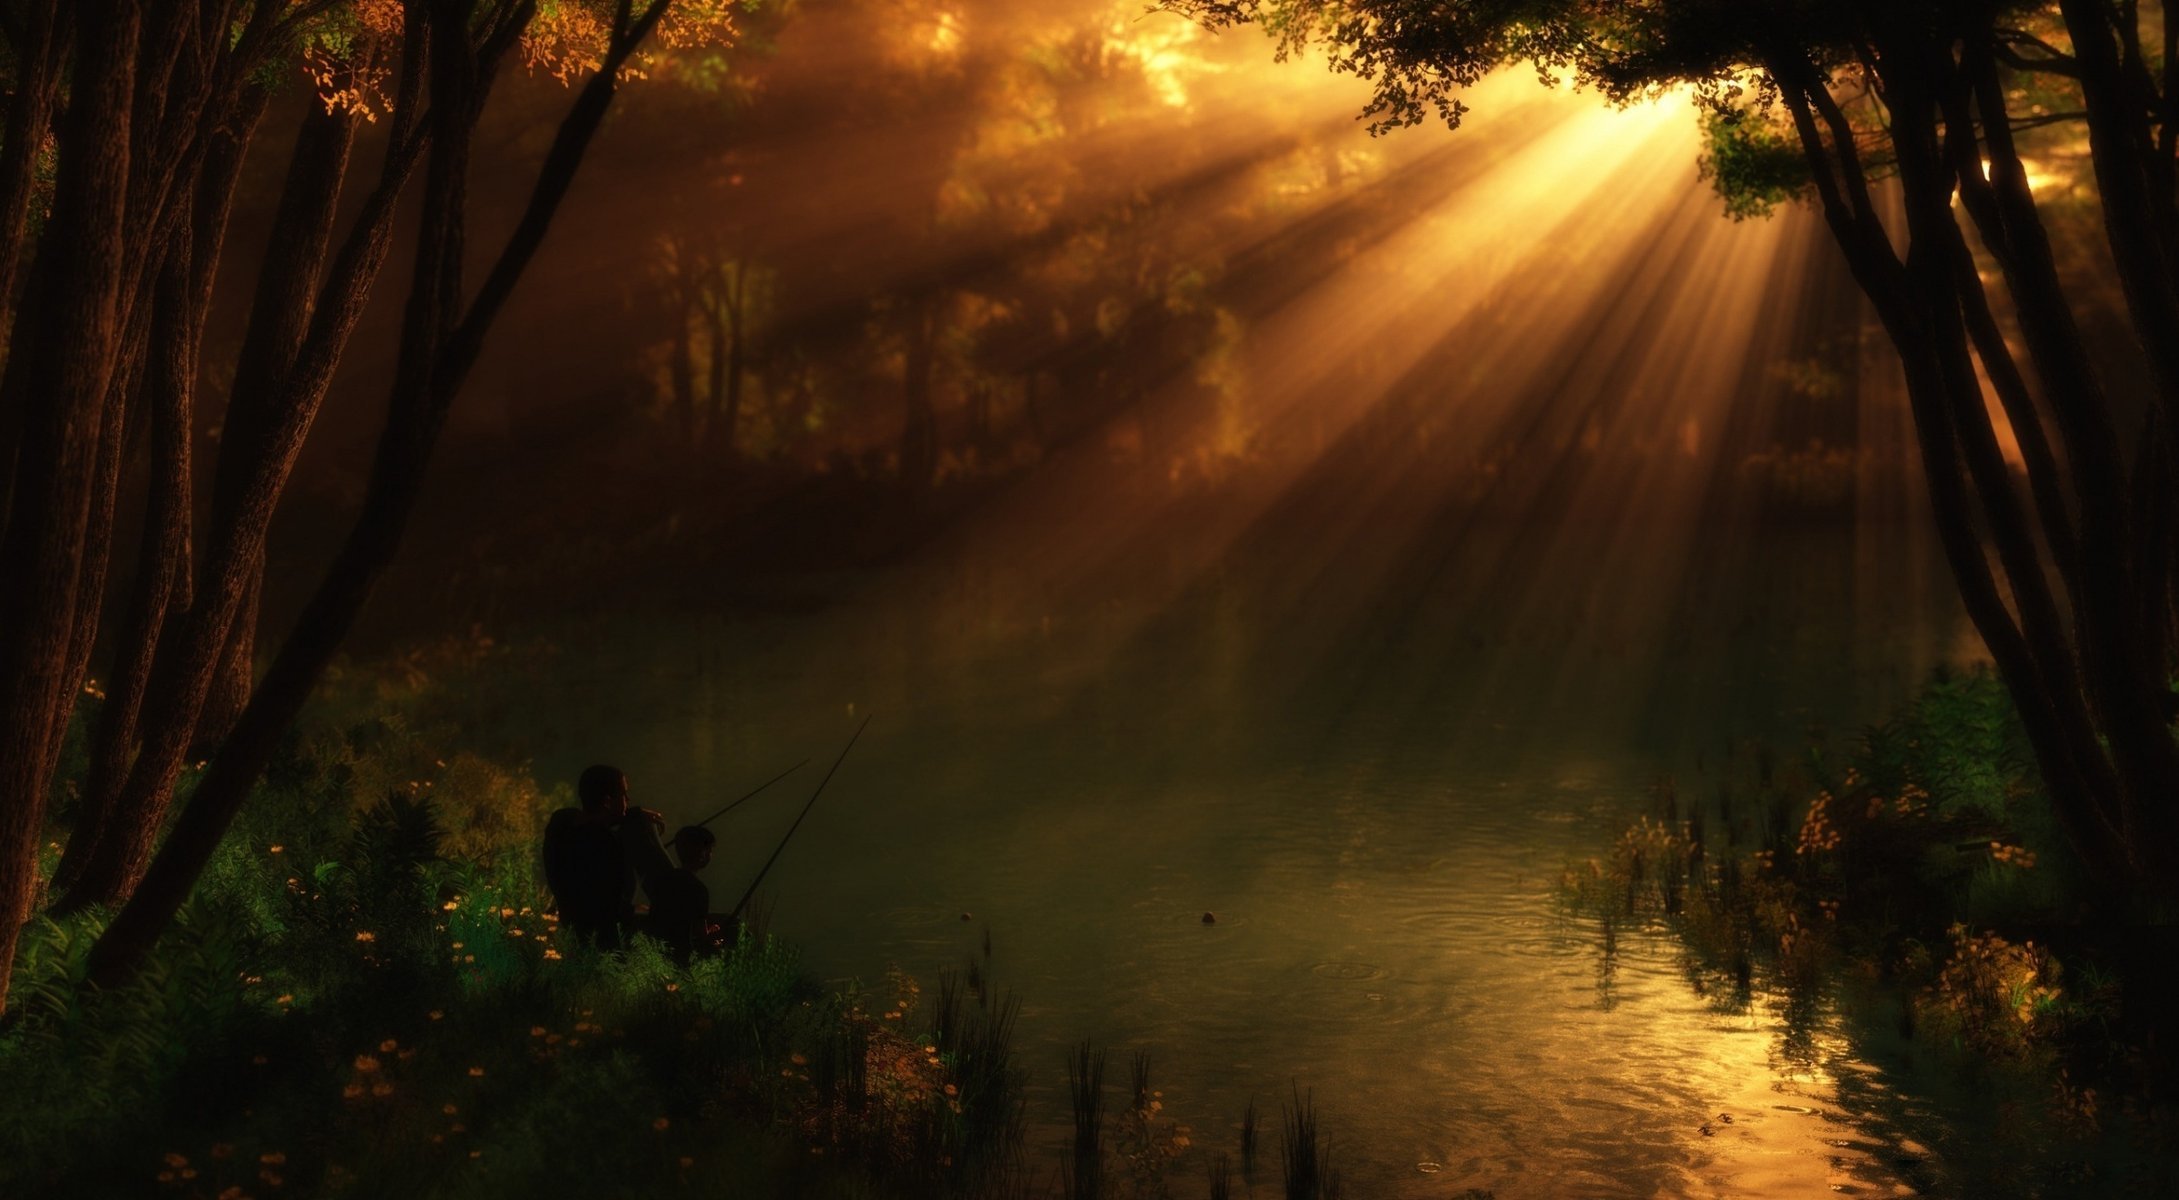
x: 144, y: 112
x: 2071, y: 585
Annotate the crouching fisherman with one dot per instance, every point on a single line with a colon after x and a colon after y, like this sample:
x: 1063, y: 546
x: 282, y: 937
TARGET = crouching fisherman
x: 681, y: 915
x: 596, y: 854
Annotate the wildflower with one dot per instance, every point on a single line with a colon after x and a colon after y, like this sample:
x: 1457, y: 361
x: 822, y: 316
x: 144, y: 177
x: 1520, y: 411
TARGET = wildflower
x: 952, y: 1090
x: 476, y: 1154
x: 660, y: 1124
x: 514, y: 933
x: 449, y: 906
x: 234, y: 1192
x: 551, y: 953
x: 457, y: 1127
x: 687, y: 1162
x: 673, y: 987
x: 365, y: 1064
x: 270, y: 1176
x: 221, y: 1149
x: 388, y: 1046
x: 435, y: 1014
x: 365, y: 935
x: 351, y: 1091
x: 176, y: 1160
x: 457, y: 945
x: 275, y: 848
x: 287, y: 999
x: 382, y: 1089
x: 798, y: 1060
x: 476, y: 1072
x: 537, y: 1031
x: 449, y: 1110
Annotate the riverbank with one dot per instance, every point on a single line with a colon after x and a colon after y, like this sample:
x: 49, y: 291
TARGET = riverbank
x: 367, y: 996
x: 1917, y: 885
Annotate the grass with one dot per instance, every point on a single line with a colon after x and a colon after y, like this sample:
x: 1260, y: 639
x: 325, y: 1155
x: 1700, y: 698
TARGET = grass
x: 367, y: 995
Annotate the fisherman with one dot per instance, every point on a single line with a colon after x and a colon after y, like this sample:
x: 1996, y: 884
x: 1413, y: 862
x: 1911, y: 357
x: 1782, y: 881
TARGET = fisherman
x: 681, y: 915
x: 595, y: 856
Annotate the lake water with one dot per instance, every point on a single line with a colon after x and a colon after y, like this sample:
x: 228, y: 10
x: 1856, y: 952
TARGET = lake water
x: 1371, y: 777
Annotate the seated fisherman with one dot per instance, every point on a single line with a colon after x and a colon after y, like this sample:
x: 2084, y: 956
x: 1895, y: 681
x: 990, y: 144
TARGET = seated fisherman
x: 594, y: 856
x: 681, y: 913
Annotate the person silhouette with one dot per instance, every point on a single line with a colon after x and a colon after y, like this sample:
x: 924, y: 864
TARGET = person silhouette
x: 595, y: 856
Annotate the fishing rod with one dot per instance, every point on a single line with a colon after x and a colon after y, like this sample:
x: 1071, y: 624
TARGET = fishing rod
x: 745, y: 896
x: 753, y: 792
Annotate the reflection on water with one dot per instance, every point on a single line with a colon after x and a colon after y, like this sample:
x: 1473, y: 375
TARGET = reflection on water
x: 1380, y: 855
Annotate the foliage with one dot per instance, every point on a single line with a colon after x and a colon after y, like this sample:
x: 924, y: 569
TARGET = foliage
x: 1925, y: 859
x: 1755, y: 164
x: 350, y: 1006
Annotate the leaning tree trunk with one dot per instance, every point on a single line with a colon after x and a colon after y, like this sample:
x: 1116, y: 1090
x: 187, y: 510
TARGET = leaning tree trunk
x: 280, y: 382
x: 440, y: 343
x: 57, y: 372
x: 180, y: 301
x: 2100, y: 736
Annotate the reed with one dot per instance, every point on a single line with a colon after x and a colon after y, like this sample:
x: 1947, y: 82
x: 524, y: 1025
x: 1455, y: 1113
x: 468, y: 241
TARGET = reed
x: 1086, y: 1090
x: 1221, y: 1177
x: 1305, y: 1152
x: 1248, y: 1138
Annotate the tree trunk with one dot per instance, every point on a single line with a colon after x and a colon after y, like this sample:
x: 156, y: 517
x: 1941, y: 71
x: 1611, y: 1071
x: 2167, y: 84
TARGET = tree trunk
x: 437, y: 353
x: 727, y: 370
x: 163, y: 585
x: 41, y: 56
x: 58, y: 371
x: 280, y: 381
x: 919, y: 420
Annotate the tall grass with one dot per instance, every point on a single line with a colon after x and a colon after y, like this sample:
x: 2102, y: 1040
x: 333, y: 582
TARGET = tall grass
x: 1305, y: 1152
x: 1085, y: 1178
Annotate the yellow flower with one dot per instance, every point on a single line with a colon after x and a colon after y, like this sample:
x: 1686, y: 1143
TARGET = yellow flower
x: 365, y: 935
x: 365, y: 1064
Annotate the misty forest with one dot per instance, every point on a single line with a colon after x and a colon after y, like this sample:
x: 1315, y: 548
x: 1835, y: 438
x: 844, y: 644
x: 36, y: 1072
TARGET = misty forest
x: 1089, y: 599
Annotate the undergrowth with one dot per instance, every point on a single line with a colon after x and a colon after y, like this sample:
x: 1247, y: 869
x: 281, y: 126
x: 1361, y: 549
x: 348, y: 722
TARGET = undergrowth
x: 1917, y: 884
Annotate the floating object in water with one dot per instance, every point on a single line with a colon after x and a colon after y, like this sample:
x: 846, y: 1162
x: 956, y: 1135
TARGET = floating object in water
x: 1210, y: 918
